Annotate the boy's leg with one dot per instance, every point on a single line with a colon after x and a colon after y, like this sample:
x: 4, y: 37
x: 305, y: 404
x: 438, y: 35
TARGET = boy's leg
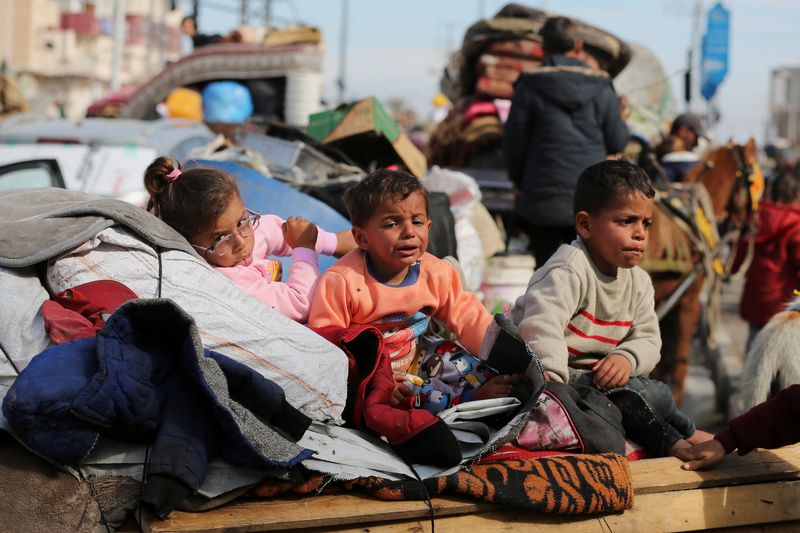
x: 659, y: 396
x: 643, y: 424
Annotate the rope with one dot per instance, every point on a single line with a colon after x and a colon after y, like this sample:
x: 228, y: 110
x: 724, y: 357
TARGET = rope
x: 428, y: 501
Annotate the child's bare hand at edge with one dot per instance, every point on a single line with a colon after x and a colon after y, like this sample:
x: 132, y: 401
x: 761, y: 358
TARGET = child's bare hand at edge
x: 497, y: 387
x: 400, y: 395
x: 613, y: 370
x: 701, y: 456
x: 299, y: 233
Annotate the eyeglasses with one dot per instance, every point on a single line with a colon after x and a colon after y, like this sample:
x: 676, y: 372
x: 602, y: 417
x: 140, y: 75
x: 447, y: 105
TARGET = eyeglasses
x: 223, y: 244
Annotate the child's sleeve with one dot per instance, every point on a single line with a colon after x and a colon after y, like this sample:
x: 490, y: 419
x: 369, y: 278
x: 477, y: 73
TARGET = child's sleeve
x: 770, y: 424
x: 272, y: 232
x: 329, y: 306
x: 464, y: 314
x: 291, y: 298
x: 642, y: 345
x: 551, y: 300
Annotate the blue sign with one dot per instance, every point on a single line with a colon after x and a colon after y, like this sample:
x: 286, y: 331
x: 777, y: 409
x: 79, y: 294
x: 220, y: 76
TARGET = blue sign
x: 714, y: 58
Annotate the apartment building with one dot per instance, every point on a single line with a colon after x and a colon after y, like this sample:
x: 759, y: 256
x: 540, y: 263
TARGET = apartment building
x: 784, y: 111
x: 62, y: 51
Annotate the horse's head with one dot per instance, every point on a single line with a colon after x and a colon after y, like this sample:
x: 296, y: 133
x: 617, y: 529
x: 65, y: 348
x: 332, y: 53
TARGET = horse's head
x: 734, y: 182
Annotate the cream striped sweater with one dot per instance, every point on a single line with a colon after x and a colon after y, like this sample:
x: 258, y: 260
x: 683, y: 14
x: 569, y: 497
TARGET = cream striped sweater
x: 574, y: 315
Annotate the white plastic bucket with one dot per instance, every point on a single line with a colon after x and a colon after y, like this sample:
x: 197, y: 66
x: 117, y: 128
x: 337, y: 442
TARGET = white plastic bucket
x: 505, y: 279
x: 303, y: 94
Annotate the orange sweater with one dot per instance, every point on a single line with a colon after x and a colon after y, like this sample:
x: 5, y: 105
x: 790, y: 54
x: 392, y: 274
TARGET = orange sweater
x: 347, y: 295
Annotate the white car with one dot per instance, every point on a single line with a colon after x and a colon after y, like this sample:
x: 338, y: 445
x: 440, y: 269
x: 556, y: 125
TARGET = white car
x: 100, y: 156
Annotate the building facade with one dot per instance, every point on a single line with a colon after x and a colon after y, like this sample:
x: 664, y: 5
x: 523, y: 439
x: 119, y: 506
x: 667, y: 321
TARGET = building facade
x: 62, y: 52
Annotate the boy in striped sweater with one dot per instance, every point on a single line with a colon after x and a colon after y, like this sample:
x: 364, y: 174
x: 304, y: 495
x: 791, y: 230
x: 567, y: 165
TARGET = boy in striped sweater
x: 589, y: 312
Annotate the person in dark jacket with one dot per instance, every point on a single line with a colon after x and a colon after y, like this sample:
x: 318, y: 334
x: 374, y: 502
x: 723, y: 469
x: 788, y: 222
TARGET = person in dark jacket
x: 189, y: 28
x: 676, y: 153
x: 564, y: 117
x: 770, y: 424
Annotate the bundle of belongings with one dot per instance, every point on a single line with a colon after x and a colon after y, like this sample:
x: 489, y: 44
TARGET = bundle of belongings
x: 480, y: 77
x: 117, y: 369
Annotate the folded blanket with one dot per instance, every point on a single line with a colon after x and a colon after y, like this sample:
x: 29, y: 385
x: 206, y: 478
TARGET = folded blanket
x: 38, y: 224
x: 565, y: 484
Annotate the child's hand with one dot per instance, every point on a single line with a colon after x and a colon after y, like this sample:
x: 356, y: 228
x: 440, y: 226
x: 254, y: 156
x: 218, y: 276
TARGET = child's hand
x: 701, y: 456
x: 400, y: 395
x: 613, y: 370
x: 497, y: 387
x: 299, y: 233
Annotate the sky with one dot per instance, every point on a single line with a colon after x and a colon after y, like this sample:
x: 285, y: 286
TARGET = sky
x: 397, y: 49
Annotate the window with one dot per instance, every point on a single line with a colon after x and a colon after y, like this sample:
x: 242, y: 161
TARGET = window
x: 31, y: 174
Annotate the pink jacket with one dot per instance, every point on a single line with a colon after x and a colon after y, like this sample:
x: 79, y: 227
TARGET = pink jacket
x: 261, y: 278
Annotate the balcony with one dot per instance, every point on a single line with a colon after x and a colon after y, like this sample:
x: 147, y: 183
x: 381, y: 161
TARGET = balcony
x: 81, y: 23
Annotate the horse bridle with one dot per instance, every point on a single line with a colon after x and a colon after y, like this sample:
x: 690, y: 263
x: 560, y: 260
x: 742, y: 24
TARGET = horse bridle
x: 748, y: 178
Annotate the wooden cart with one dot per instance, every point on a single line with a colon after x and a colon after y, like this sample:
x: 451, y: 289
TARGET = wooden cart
x: 760, y: 490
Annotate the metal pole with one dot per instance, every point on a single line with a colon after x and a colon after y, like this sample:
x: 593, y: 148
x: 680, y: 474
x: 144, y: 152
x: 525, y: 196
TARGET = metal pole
x: 8, y: 29
x: 151, y: 31
x: 119, y: 42
x: 694, y: 48
x: 243, y: 11
x: 267, y: 13
x: 343, y: 52
x: 162, y: 35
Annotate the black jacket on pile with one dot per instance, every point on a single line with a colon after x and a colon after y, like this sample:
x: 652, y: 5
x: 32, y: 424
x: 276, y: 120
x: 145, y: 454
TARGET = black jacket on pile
x: 564, y: 117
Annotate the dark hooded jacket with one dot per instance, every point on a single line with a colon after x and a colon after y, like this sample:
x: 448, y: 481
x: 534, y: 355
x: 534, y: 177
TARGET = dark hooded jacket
x: 564, y: 117
x: 775, y: 271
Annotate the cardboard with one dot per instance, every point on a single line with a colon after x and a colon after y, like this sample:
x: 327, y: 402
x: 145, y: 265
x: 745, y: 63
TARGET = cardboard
x: 367, y: 134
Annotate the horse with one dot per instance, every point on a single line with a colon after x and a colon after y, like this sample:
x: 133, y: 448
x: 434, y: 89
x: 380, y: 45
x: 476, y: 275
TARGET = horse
x: 696, y: 230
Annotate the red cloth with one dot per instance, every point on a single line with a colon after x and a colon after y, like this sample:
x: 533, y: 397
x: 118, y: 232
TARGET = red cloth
x: 370, y: 385
x: 477, y: 109
x: 81, y: 311
x: 775, y: 271
x: 770, y: 424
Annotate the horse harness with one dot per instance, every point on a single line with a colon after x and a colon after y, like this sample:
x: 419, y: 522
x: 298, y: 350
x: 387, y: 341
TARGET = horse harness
x: 691, y: 209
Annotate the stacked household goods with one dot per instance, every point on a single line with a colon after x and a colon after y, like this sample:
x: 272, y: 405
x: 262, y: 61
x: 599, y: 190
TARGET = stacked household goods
x: 479, y: 80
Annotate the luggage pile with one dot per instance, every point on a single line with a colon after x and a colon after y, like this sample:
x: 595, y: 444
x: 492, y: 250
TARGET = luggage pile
x: 480, y: 79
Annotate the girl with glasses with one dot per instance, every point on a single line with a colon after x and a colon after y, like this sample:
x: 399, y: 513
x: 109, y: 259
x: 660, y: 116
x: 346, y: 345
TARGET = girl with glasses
x: 204, y: 205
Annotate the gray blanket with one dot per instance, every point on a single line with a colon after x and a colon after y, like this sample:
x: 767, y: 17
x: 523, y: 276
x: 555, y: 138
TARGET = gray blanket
x: 39, y: 224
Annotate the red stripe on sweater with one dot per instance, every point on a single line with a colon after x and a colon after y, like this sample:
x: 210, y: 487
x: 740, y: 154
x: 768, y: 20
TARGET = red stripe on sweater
x: 573, y: 351
x: 599, y: 338
x: 599, y: 322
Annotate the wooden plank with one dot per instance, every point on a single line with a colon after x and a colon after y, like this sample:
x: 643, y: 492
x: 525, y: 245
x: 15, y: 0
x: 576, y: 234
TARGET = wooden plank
x: 780, y: 527
x: 688, y: 510
x: 494, y: 521
x: 665, y: 474
x: 294, y: 513
x: 650, y: 477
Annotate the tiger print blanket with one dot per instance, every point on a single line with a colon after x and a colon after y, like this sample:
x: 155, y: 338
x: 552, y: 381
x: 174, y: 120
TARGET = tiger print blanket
x: 563, y: 484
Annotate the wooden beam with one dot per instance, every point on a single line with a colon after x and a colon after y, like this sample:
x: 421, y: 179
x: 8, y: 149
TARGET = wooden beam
x: 665, y: 474
x: 688, y: 510
x: 657, y: 480
x: 699, y: 509
x: 295, y: 513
